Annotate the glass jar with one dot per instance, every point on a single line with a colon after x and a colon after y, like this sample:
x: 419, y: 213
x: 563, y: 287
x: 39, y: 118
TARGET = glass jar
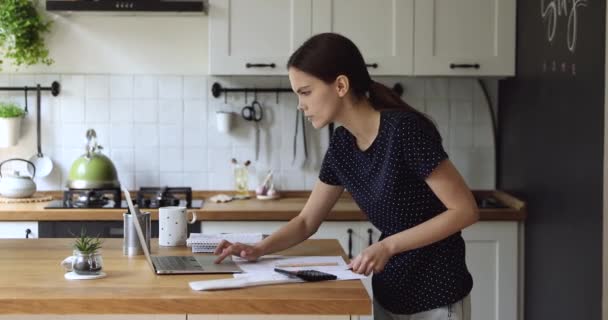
x: 87, y: 263
x: 241, y: 179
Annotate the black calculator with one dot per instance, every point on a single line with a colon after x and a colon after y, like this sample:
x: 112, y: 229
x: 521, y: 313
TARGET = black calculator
x: 308, y: 275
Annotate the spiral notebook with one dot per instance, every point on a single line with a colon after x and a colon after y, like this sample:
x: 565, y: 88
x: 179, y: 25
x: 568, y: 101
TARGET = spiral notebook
x: 201, y: 242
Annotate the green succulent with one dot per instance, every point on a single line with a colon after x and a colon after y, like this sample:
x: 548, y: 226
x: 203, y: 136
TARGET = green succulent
x: 10, y: 110
x: 22, y: 30
x: 87, y: 244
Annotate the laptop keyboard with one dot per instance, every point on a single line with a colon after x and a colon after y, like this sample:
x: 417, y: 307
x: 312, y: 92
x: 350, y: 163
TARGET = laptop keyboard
x: 176, y: 263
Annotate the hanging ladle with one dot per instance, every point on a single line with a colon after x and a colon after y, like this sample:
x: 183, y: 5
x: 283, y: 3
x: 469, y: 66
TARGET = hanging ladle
x: 43, y: 164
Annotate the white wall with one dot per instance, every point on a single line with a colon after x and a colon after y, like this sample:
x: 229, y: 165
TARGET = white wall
x: 141, y: 83
x: 142, y: 44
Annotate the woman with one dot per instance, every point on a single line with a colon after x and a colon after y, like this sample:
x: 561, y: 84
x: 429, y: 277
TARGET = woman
x: 390, y: 158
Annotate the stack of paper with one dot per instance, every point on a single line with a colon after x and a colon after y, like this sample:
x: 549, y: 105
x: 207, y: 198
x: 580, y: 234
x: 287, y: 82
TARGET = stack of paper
x: 261, y: 272
x: 208, y: 242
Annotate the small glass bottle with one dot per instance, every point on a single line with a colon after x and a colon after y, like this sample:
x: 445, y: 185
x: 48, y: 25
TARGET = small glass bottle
x: 241, y: 179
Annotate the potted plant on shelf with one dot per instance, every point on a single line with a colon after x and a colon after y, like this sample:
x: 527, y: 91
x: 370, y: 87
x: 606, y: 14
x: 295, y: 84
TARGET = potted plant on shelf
x: 22, y: 30
x: 86, y: 258
x: 10, y: 123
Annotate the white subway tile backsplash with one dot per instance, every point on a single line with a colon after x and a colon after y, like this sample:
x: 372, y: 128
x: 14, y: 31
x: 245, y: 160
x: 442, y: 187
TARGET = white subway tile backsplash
x: 461, y: 111
x: 123, y: 159
x: 146, y: 135
x: 170, y: 111
x: 197, y: 180
x: 170, y: 87
x: 127, y: 179
x: 73, y: 135
x: 483, y: 135
x: 461, y: 135
x: 121, y: 111
x: 171, y: 179
x: 171, y: 160
x: 72, y: 109
x: 121, y: 86
x: 147, y: 159
x: 72, y: 86
x: 195, y: 136
x: 97, y: 110
x: 195, y: 114
x: 461, y: 88
x: 195, y: 87
x: 171, y: 135
x: 162, y: 129
x: 97, y: 86
x: 145, y: 111
x: 439, y: 111
x: 145, y: 87
x: 436, y: 88
x: 195, y: 159
x: 121, y: 135
x: 147, y: 179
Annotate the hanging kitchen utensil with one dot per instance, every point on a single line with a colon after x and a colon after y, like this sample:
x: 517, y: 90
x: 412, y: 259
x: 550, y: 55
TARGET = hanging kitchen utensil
x: 93, y: 169
x: 254, y: 113
x: 16, y: 185
x: 44, y: 164
x: 300, y: 118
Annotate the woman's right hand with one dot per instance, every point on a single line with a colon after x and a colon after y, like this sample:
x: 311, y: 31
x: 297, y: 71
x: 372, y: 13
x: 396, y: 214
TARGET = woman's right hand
x: 226, y: 248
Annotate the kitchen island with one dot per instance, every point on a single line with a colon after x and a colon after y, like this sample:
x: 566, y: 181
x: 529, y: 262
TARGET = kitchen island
x: 32, y: 283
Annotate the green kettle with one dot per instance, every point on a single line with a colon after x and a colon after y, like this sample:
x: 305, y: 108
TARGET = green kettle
x: 93, y: 170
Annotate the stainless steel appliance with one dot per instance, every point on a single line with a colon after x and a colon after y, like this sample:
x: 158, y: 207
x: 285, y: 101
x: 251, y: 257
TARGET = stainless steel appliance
x: 147, y: 197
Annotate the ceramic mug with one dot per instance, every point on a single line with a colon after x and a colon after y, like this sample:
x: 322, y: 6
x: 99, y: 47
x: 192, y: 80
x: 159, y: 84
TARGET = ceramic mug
x: 173, y: 226
x: 224, y: 121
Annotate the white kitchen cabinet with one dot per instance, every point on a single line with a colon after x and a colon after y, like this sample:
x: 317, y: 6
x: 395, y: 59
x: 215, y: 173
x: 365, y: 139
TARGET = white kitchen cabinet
x: 492, y: 254
x: 492, y: 258
x: 451, y: 37
x: 255, y: 37
x: 383, y: 30
x: 18, y: 229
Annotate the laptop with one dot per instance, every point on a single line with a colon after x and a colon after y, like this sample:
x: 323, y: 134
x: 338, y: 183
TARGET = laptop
x: 178, y: 264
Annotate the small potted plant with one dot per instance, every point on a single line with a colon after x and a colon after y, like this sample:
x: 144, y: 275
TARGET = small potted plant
x: 10, y: 124
x: 86, y: 256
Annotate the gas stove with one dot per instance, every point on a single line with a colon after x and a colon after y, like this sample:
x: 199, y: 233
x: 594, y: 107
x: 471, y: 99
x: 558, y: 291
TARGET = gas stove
x: 147, y: 197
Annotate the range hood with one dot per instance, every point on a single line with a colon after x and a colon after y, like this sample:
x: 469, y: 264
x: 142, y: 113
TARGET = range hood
x: 127, y: 6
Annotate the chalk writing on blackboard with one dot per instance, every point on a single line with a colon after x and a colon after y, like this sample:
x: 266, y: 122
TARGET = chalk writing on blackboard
x: 553, y: 10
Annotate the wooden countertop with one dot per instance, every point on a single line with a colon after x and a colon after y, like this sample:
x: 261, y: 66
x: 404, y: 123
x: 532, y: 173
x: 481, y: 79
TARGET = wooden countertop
x: 242, y: 210
x: 32, y: 282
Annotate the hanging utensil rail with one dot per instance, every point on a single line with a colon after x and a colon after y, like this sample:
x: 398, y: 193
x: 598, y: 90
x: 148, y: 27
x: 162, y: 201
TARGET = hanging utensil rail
x: 55, y: 88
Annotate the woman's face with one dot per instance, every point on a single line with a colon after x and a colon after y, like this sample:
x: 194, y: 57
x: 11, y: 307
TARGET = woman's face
x: 318, y: 100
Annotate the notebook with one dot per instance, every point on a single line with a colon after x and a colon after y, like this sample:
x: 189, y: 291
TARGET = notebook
x: 178, y: 264
x: 208, y: 242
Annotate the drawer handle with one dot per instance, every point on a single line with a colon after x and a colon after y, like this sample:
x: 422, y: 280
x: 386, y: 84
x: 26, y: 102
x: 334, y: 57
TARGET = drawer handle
x: 369, y: 232
x: 260, y: 65
x: 350, y: 243
x: 27, y: 233
x: 372, y: 65
x: 464, y: 66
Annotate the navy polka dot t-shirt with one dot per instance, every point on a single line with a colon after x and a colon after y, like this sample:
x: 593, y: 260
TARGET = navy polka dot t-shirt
x: 387, y: 182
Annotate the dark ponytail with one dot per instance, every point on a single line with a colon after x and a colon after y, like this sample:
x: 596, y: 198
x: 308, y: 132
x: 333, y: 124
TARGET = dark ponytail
x: 329, y: 55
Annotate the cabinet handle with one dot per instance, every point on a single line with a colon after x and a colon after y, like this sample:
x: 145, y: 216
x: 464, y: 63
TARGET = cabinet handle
x: 369, y: 232
x: 350, y: 243
x: 464, y: 66
x: 27, y: 233
x: 260, y: 65
x: 372, y: 65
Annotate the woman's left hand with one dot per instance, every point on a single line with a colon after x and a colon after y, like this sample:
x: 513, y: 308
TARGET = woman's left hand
x: 373, y: 258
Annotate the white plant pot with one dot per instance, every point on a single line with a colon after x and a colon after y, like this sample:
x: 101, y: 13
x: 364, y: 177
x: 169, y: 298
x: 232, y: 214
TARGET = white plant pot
x: 10, y: 130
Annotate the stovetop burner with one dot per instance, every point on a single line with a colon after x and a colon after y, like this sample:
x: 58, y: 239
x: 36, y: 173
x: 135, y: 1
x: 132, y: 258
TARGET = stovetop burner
x: 92, y: 198
x: 147, y: 197
x: 151, y: 197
